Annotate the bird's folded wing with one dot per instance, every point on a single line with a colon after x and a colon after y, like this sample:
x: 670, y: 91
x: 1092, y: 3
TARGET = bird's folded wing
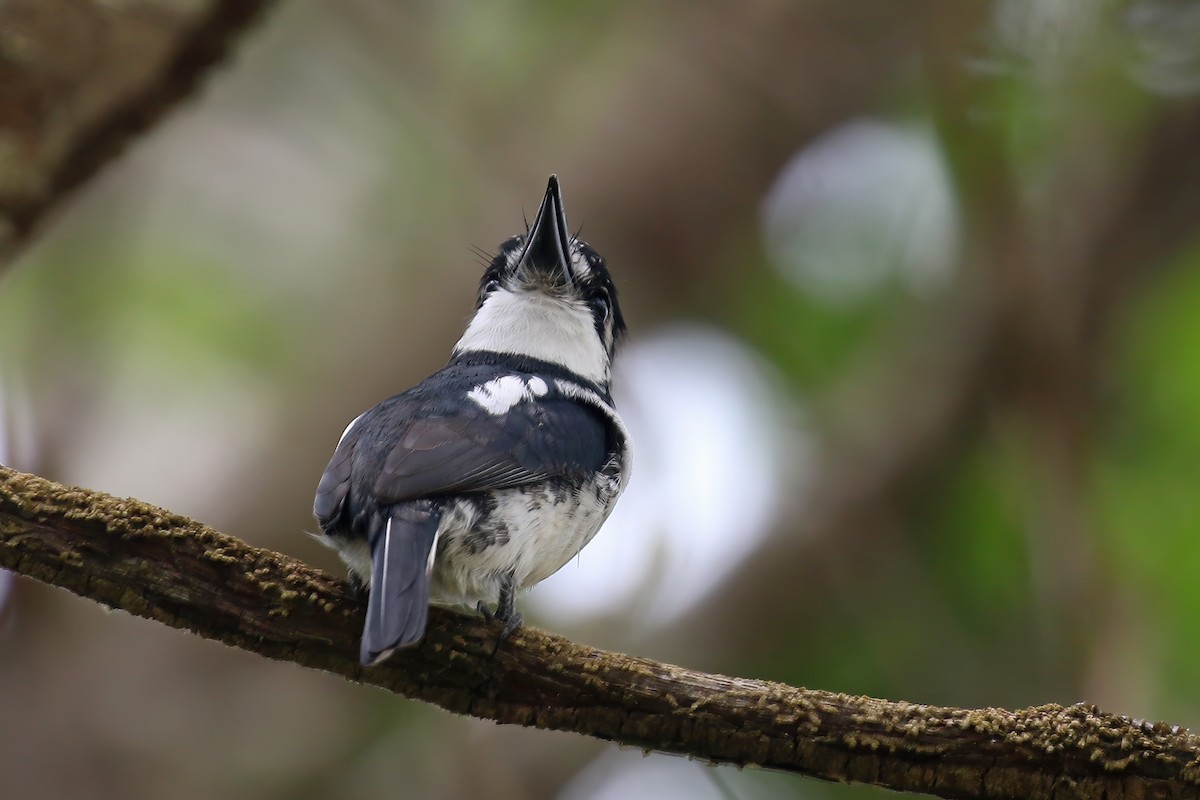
x: 475, y: 451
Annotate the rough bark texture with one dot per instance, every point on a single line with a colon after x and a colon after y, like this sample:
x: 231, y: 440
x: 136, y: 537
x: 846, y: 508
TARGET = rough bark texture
x: 148, y: 561
x: 78, y: 80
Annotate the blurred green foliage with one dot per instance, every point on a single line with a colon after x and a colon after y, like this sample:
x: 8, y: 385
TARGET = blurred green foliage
x: 1145, y: 473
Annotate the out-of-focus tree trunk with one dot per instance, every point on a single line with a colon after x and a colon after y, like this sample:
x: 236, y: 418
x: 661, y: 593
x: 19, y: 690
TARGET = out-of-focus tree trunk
x: 79, y: 79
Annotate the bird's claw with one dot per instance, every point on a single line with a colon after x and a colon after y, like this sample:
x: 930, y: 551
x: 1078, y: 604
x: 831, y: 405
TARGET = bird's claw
x: 513, y: 622
x: 484, y: 611
x: 505, y: 611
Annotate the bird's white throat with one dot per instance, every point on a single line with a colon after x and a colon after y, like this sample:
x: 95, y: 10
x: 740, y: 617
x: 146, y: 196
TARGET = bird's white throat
x: 537, y: 325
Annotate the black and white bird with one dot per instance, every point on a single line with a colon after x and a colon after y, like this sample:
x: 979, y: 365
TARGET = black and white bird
x: 495, y: 471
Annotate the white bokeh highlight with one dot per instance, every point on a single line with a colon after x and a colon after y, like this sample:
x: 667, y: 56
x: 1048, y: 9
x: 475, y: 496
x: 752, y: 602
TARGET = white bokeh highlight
x: 714, y: 445
x: 866, y: 204
x: 628, y: 774
x: 16, y: 424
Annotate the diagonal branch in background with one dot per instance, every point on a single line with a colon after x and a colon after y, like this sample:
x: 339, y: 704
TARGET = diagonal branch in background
x: 150, y: 562
x: 79, y: 79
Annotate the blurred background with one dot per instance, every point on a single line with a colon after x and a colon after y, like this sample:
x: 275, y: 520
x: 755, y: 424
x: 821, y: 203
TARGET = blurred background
x: 914, y: 299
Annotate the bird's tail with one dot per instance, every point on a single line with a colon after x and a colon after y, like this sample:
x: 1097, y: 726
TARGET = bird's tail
x: 401, y: 559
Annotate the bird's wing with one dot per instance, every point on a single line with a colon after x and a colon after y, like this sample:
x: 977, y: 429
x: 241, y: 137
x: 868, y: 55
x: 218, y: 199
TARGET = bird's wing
x: 430, y: 449
x: 334, y: 485
x: 473, y: 450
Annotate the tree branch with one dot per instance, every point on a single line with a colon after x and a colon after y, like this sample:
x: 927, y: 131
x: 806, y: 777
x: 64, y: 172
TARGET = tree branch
x: 150, y: 562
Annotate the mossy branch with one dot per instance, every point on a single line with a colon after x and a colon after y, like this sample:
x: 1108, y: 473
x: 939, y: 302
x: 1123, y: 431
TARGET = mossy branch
x: 150, y: 562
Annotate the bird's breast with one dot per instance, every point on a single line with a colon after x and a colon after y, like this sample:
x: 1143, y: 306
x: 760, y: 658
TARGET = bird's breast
x: 530, y: 531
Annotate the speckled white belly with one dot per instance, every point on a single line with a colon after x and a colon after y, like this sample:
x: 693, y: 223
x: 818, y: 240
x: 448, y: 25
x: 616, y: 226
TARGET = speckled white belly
x: 528, y: 531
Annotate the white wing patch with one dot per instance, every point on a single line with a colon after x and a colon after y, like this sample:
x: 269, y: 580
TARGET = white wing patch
x: 499, y: 395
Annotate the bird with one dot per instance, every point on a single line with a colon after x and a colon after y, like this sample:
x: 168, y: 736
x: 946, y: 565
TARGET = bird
x: 495, y: 471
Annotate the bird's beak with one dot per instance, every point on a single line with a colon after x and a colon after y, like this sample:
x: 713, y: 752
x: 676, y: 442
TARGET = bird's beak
x: 547, y: 251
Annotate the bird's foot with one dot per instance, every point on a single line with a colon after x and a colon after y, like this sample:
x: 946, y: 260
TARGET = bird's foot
x: 510, y: 618
x: 511, y: 623
x: 505, y: 611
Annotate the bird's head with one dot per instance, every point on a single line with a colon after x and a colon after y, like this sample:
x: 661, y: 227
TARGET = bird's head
x: 547, y: 295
